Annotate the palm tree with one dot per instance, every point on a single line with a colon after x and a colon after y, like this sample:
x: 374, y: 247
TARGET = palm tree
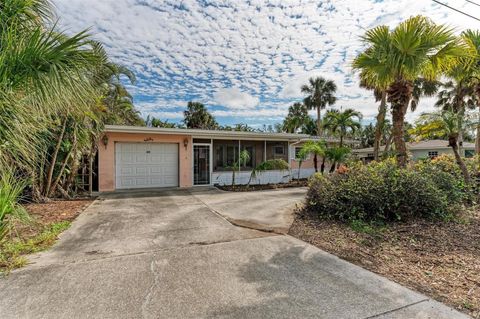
x: 296, y: 118
x: 448, y: 121
x: 317, y: 148
x: 320, y: 93
x: 472, y: 70
x: 197, y: 116
x: 342, y: 122
x: 395, y: 58
x: 336, y: 156
x: 44, y: 74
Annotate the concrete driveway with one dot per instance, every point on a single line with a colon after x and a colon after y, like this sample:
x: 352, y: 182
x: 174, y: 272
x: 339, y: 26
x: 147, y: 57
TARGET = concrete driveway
x: 168, y: 254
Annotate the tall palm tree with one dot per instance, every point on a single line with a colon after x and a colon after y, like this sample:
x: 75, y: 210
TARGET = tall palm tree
x: 296, y: 118
x: 342, y: 122
x: 197, y: 116
x: 395, y: 58
x: 320, y: 94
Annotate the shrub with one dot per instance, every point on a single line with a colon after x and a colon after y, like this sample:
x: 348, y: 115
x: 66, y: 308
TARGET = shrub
x: 11, y: 189
x: 384, y: 192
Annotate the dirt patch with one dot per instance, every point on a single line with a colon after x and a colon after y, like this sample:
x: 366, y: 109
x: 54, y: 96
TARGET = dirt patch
x: 56, y: 211
x: 439, y: 259
x: 46, y: 222
x: 251, y: 188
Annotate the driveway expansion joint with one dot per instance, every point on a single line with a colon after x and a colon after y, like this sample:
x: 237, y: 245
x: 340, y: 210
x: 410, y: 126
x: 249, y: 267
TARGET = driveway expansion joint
x: 397, y: 309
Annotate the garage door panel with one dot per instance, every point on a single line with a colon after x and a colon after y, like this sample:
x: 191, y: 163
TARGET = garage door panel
x: 142, y: 165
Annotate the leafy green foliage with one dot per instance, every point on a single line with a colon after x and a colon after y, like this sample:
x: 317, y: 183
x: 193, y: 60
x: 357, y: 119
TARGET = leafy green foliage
x: 11, y: 189
x: 12, y: 252
x: 383, y: 192
x: 268, y: 165
x: 342, y: 122
x: 197, y: 116
x: 297, y: 118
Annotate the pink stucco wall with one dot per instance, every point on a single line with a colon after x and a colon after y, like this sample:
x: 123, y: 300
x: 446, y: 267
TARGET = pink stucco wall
x: 308, y: 163
x: 106, y: 156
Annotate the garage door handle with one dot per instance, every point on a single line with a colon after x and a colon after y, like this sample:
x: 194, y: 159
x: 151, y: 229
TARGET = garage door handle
x: 148, y: 152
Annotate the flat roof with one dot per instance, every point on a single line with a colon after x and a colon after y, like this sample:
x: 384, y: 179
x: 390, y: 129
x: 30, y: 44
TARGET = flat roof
x: 197, y: 133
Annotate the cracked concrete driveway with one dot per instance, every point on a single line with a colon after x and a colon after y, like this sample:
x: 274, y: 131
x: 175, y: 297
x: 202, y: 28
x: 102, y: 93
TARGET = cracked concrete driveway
x: 167, y: 254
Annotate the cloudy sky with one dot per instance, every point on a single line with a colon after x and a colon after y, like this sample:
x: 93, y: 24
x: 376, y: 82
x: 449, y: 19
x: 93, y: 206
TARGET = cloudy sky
x: 245, y: 60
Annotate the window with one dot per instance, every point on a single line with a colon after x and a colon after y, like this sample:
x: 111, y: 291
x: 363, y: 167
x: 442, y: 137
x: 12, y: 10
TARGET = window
x: 432, y: 154
x: 469, y: 153
x: 278, y: 150
x: 251, y: 151
x: 231, y: 156
x: 297, y: 152
x: 226, y: 155
x: 219, y: 156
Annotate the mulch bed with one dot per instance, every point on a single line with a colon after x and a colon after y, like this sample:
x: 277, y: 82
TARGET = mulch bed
x: 251, y: 188
x: 43, y: 214
x: 439, y: 259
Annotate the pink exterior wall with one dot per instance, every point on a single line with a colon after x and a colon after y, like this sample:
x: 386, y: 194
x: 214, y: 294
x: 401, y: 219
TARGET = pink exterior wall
x: 308, y: 163
x: 106, y: 156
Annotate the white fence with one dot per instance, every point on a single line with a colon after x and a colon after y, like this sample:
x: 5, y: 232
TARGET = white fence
x: 267, y: 177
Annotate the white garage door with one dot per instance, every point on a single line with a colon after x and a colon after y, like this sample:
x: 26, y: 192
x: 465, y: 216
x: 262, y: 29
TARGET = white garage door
x: 141, y: 165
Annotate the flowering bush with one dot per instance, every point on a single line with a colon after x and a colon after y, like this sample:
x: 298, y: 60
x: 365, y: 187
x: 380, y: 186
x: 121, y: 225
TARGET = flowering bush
x: 384, y: 192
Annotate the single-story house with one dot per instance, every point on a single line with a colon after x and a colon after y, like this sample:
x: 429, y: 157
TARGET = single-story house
x: 421, y: 150
x: 145, y: 157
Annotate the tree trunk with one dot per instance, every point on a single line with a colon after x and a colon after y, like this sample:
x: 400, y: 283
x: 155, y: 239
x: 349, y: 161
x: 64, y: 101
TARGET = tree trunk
x: 315, y: 162
x: 477, y: 139
x: 64, y: 164
x: 332, y: 168
x: 382, y: 110
x: 322, y: 167
x: 319, y: 121
x: 54, y: 158
x: 388, y: 144
x: 398, y: 118
x: 299, y: 166
x: 341, y: 139
x: 452, y: 141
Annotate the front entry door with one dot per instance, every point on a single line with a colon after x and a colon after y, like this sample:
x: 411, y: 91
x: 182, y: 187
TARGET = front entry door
x: 201, y: 164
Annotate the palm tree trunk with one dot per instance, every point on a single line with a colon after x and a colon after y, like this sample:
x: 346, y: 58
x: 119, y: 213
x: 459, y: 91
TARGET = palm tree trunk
x: 332, y: 168
x: 477, y: 139
x: 322, y: 167
x: 54, y: 158
x: 315, y: 163
x: 398, y: 118
x: 382, y: 110
x: 453, y: 143
x: 319, y: 121
x: 64, y: 164
x: 341, y: 139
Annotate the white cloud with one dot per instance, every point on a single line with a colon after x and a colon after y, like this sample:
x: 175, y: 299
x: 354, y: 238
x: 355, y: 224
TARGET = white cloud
x: 233, y: 98
x: 260, y: 50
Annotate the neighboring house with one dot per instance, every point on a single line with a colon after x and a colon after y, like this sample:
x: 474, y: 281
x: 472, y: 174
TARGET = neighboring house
x: 421, y: 150
x: 142, y: 157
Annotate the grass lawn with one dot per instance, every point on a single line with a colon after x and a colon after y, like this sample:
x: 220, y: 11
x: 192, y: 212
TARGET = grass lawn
x: 47, y: 222
x: 439, y: 259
